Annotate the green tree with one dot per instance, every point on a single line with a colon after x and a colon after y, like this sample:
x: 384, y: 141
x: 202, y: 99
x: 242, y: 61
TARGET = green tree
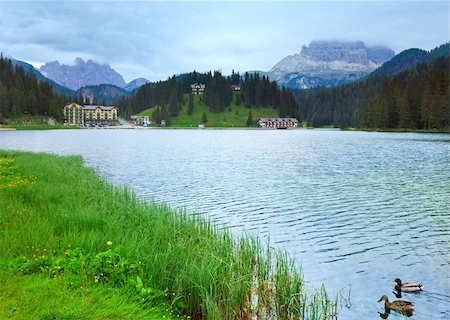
x: 238, y: 99
x: 156, y: 116
x: 404, y: 114
x: 174, y: 106
x: 425, y: 106
x: 204, y: 118
x: 249, y: 122
x: 190, y: 109
x: 166, y: 115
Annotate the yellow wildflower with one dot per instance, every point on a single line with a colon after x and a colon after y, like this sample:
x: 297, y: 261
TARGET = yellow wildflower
x: 109, y: 243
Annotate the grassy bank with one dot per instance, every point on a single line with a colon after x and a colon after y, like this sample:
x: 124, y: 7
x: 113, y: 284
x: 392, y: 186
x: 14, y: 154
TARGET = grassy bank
x: 234, y: 116
x: 39, y: 127
x: 64, y: 230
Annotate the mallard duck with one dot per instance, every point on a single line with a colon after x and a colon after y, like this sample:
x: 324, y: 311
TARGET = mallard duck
x: 401, y: 306
x: 407, y: 286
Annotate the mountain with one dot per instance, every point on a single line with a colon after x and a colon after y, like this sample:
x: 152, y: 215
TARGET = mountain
x: 328, y: 64
x: 82, y: 74
x: 136, y: 83
x: 30, y: 69
x: 408, y: 58
x: 409, y: 91
x: 103, y: 93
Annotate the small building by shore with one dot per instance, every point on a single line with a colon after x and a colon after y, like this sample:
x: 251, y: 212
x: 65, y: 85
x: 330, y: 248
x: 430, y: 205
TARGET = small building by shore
x: 278, y: 123
x: 143, y: 121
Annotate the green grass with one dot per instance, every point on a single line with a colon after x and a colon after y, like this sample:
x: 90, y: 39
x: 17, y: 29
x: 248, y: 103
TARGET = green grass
x: 37, y: 296
x: 61, y: 224
x: 39, y: 127
x: 33, y: 122
x: 233, y: 116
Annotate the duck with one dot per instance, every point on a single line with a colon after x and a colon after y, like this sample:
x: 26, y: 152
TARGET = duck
x: 407, y: 286
x: 401, y: 306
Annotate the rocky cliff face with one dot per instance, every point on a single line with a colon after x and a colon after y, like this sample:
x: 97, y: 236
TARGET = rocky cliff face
x: 328, y: 63
x: 82, y: 74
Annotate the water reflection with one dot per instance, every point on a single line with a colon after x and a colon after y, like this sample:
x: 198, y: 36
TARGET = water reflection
x: 387, y: 312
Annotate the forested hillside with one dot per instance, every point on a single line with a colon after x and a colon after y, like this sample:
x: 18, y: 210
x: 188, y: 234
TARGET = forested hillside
x: 21, y: 93
x: 417, y: 97
x: 255, y: 91
x: 408, y: 58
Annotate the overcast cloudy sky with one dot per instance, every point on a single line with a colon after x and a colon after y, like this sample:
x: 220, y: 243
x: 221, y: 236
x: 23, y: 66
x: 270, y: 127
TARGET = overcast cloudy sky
x: 158, y: 39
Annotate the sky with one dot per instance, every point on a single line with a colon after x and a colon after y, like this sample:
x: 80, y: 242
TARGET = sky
x: 157, y: 39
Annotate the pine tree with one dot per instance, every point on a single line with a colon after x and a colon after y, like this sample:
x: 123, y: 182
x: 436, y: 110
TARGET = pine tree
x: 190, y: 109
x: 249, y: 122
x: 425, y: 106
x: 174, y: 106
x: 405, y: 120
x: 156, y: 116
x: 238, y: 99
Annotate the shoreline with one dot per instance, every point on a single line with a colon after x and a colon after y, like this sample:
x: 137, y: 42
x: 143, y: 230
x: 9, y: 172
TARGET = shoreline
x: 38, y: 127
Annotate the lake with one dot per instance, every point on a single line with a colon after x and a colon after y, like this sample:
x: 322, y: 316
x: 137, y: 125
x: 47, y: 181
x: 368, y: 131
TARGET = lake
x: 355, y: 209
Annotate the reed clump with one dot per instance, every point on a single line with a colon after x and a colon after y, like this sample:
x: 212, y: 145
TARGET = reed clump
x: 204, y: 272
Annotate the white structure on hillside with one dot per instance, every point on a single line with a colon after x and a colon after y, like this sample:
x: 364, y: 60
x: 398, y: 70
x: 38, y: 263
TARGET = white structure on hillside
x: 197, y: 88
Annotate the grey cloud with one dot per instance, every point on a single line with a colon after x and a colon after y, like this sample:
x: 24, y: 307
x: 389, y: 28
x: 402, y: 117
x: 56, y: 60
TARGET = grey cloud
x: 162, y: 38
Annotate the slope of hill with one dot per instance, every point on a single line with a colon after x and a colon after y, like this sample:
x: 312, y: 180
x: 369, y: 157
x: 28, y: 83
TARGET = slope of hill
x: 234, y: 116
x: 409, y: 58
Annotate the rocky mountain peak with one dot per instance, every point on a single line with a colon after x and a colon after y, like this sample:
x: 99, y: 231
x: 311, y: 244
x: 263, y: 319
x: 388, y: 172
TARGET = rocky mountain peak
x: 329, y: 63
x: 350, y: 52
x: 82, y: 74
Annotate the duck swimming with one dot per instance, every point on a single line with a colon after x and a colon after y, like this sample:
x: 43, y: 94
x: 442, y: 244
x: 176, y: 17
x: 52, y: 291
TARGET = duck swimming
x: 401, y: 306
x: 407, y: 286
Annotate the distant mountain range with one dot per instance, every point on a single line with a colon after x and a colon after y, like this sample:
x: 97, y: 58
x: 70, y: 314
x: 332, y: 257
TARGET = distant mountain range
x: 322, y: 63
x: 88, y: 73
x: 328, y: 64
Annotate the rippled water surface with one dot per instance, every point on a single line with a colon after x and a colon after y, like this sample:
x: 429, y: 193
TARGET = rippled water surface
x: 356, y: 209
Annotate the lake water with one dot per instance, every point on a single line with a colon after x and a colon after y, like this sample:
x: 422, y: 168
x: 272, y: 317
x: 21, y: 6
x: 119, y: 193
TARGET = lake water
x: 356, y: 209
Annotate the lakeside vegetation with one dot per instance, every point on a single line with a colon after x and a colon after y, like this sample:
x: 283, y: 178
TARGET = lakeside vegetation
x: 72, y: 239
